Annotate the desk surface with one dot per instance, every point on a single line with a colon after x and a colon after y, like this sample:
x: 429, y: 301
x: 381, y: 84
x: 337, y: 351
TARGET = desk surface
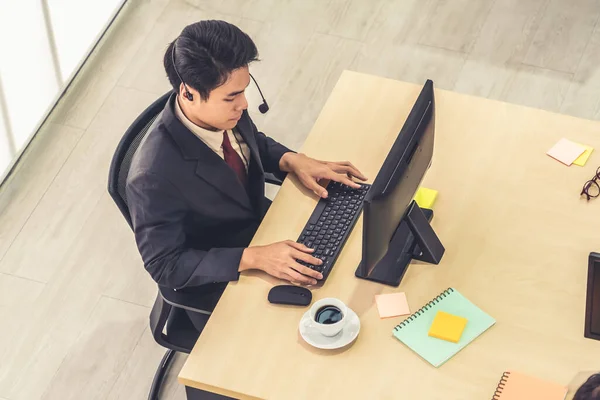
x: 517, y: 237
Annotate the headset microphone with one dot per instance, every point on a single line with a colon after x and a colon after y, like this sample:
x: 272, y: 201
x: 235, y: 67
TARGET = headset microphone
x: 264, y: 107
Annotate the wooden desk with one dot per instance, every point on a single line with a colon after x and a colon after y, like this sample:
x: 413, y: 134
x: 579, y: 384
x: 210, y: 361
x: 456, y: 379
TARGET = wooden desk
x: 516, y: 233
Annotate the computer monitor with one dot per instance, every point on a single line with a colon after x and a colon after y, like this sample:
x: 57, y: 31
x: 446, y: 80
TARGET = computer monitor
x: 395, y: 229
x: 592, y: 309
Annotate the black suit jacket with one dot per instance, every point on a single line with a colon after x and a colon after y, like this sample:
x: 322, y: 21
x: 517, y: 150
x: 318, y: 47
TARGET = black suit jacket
x: 191, y: 216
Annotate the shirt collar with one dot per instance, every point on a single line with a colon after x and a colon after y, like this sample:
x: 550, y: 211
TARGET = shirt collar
x: 213, y: 139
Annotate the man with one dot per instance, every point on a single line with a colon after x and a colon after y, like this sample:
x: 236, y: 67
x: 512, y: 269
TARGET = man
x: 196, y: 185
x: 590, y: 390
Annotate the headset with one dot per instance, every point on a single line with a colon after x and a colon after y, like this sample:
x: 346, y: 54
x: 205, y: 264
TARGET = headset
x: 263, y: 108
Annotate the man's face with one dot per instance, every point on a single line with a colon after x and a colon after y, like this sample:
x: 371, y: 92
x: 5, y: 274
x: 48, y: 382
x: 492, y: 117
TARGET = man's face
x: 224, y: 106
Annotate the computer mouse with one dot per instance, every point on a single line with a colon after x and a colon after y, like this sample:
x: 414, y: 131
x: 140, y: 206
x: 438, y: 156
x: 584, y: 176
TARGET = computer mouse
x: 290, y: 294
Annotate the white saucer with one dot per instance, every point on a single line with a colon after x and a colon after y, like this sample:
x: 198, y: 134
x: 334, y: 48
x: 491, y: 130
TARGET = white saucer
x: 316, y: 339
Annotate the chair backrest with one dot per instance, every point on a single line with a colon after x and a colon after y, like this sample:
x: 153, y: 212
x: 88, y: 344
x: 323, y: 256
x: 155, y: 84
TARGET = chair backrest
x: 121, y: 161
x: 182, y: 335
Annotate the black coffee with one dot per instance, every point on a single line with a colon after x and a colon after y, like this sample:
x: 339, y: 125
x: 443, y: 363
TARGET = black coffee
x: 328, y: 315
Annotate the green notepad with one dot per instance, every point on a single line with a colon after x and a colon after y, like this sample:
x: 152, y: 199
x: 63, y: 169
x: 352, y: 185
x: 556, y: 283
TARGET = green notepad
x: 413, y: 330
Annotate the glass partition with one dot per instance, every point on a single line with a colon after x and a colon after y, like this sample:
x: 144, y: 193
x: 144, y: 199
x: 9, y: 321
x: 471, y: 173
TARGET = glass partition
x: 42, y: 45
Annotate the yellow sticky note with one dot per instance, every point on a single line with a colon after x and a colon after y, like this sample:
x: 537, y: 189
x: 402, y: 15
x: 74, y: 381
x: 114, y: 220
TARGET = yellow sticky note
x: 447, y: 327
x: 426, y: 197
x: 582, y: 159
x: 392, y: 305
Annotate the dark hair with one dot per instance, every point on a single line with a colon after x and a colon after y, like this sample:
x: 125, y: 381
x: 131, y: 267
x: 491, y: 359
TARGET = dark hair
x: 590, y: 390
x: 206, y: 53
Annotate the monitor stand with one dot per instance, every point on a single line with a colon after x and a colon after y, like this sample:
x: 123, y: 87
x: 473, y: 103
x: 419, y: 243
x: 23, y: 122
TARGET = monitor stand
x: 414, y: 239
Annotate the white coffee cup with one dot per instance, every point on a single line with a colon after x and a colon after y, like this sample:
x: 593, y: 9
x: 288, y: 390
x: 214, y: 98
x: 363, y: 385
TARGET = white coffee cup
x: 328, y: 329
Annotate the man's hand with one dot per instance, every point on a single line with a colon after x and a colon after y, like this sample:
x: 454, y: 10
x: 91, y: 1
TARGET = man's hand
x: 311, y: 171
x: 279, y: 260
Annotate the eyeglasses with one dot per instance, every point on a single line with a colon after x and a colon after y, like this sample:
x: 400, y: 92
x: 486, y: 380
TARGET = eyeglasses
x: 591, y: 188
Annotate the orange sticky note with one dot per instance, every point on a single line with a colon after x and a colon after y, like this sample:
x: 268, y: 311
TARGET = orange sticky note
x: 566, y: 151
x: 392, y: 305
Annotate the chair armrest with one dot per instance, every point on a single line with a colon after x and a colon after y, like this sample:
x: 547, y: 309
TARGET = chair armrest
x: 201, y: 299
x: 158, y: 320
x: 158, y: 316
x: 272, y: 179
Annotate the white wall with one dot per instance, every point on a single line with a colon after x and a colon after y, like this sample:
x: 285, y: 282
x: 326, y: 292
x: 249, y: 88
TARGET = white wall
x: 42, y: 44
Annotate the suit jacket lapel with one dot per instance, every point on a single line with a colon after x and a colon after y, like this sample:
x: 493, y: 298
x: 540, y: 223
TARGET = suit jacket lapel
x: 210, y: 166
x: 256, y: 183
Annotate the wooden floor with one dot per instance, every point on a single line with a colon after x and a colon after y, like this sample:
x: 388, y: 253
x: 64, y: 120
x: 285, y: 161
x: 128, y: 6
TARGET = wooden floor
x: 74, y: 297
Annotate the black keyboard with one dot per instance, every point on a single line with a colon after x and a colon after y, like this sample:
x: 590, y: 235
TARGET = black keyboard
x: 331, y: 223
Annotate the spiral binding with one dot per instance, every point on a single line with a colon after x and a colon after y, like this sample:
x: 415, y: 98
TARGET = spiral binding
x: 426, y: 307
x: 501, y: 384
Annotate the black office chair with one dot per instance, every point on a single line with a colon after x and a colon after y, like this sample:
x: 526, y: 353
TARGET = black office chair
x: 169, y: 307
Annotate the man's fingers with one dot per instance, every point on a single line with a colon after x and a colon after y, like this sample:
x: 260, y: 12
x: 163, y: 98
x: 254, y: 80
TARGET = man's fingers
x: 288, y: 278
x: 343, y: 179
x: 299, y: 246
x: 299, y: 255
x: 319, y: 190
x: 307, y: 271
x: 298, y: 277
x: 351, y: 169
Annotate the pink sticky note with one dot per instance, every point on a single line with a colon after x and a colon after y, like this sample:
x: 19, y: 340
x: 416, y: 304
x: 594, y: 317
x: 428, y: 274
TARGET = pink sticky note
x: 392, y: 305
x: 566, y: 151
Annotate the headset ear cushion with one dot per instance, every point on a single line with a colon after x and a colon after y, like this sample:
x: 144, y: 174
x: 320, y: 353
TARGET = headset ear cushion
x: 188, y: 96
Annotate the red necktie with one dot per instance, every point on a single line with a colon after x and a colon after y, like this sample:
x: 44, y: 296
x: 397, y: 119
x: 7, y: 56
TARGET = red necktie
x: 233, y: 159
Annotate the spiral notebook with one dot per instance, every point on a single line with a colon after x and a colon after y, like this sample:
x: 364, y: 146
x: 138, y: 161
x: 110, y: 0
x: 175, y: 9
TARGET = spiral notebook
x: 413, y: 330
x: 516, y: 386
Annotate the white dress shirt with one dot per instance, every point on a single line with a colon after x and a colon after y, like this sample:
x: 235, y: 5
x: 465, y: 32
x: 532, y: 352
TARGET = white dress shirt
x: 214, y: 139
